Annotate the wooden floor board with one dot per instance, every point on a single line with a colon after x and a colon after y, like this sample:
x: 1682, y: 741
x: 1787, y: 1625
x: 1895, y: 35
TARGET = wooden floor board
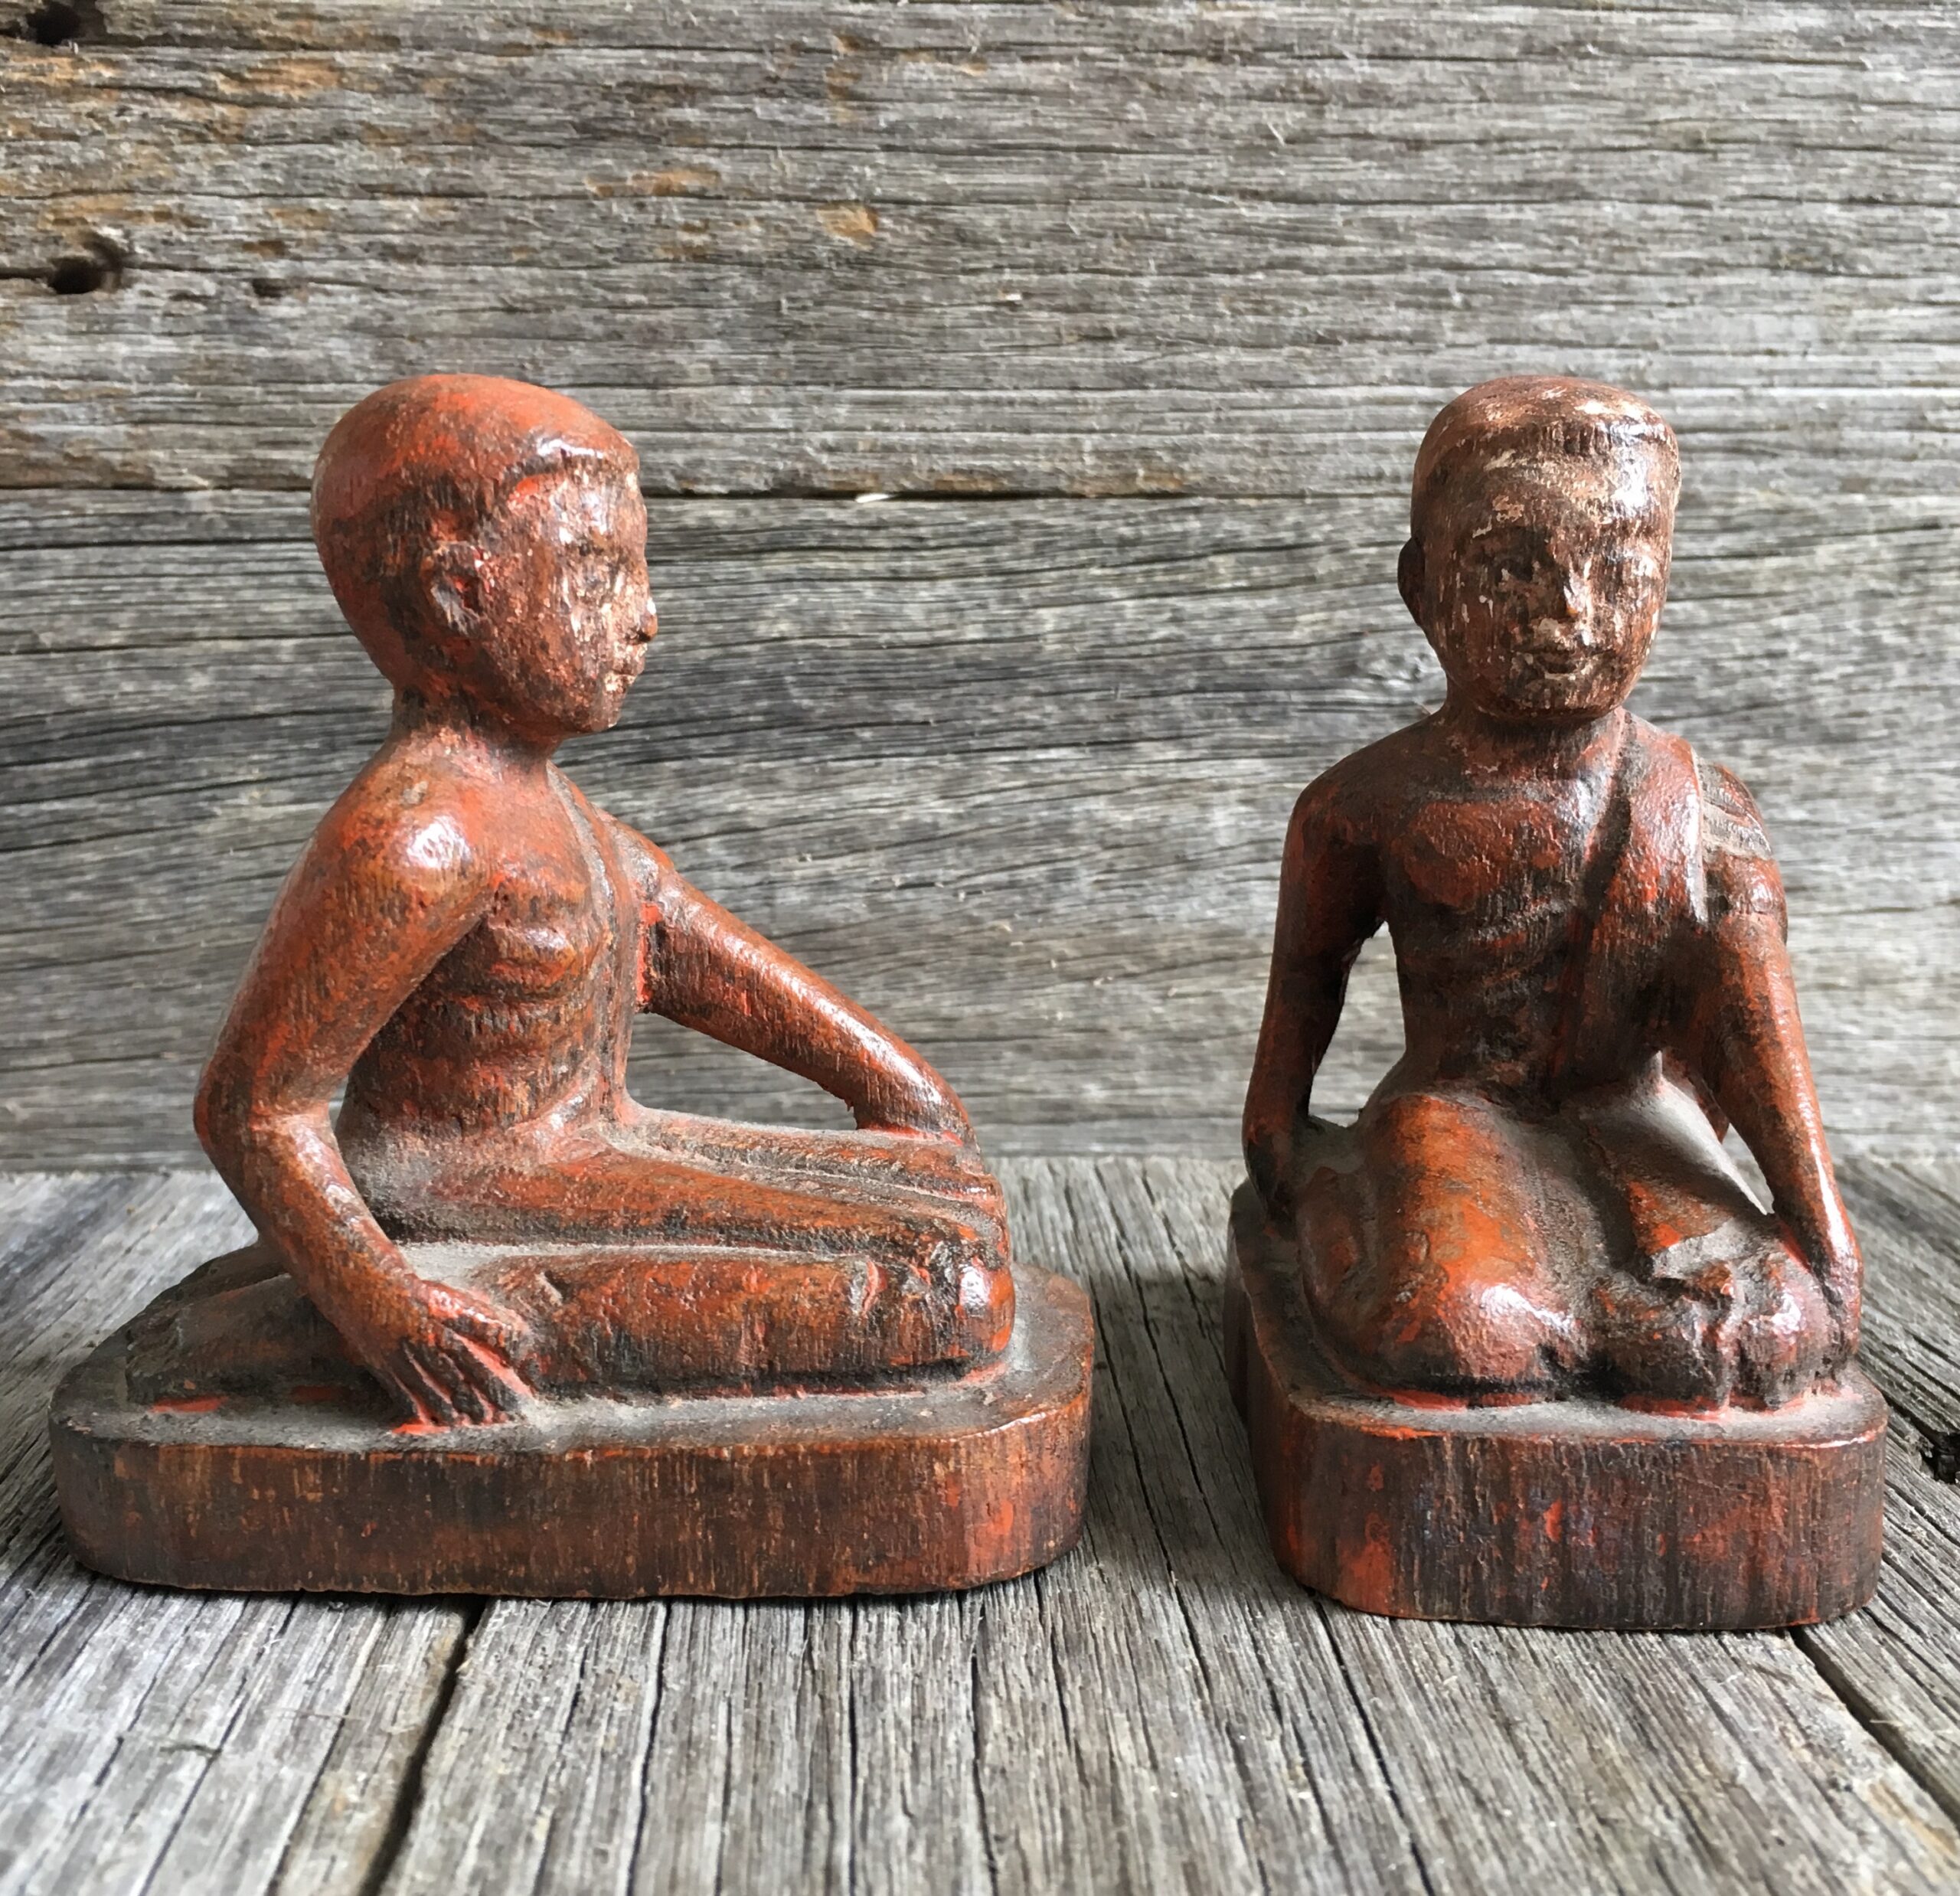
x: 172, y: 1741
x: 1908, y: 1220
x: 1899, y: 1661
x: 1530, y: 1759
x: 1163, y: 1709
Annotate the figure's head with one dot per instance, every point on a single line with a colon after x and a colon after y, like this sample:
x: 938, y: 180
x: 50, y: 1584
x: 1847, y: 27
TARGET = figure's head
x: 1540, y: 530
x: 487, y: 541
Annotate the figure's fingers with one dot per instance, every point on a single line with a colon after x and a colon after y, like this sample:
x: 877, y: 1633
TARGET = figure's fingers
x: 502, y: 1400
x: 501, y: 1389
x: 424, y: 1393
x: 438, y: 1361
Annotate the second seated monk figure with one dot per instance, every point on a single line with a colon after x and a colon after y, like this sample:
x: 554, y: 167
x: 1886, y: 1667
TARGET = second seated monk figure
x: 1519, y: 1343
x: 626, y: 1350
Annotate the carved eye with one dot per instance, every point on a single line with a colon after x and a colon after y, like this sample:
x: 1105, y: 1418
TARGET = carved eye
x: 1629, y: 578
x: 592, y: 571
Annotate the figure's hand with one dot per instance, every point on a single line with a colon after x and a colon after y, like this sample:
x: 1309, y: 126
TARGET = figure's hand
x: 1832, y: 1256
x: 447, y: 1355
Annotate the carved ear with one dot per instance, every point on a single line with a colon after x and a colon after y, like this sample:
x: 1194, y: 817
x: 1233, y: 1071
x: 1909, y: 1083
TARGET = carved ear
x: 453, y: 575
x: 1410, y: 573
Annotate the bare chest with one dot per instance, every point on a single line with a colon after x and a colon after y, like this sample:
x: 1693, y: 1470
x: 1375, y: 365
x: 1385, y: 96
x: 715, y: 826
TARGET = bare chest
x: 552, y: 929
x: 1475, y: 868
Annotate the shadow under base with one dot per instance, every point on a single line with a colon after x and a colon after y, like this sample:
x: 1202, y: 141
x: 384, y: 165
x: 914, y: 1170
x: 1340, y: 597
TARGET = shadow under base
x: 290, y: 1483
x: 1576, y: 1513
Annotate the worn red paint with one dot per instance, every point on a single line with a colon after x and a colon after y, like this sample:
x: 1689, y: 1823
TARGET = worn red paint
x: 1534, y: 1208
x: 491, y: 1221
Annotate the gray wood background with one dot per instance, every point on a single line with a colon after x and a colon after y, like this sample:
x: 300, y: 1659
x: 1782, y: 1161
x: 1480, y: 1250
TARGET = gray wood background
x: 1026, y: 394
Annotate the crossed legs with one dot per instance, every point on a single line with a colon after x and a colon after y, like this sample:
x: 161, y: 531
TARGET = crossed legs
x: 1477, y: 1256
x: 672, y: 1251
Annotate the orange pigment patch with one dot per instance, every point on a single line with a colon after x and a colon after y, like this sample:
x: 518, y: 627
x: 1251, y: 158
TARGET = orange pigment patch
x: 1422, y: 1399
x: 1669, y: 1405
x: 188, y: 1405
x: 854, y: 223
x: 1367, y: 1572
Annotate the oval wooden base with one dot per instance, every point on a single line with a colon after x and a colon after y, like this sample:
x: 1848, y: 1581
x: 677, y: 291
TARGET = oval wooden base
x: 927, y: 1485
x: 1569, y: 1514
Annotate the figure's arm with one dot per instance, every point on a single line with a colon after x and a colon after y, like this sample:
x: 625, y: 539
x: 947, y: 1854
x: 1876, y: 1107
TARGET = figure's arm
x: 1747, y: 1041
x: 1330, y: 903
x: 699, y: 966
x: 375, y: 903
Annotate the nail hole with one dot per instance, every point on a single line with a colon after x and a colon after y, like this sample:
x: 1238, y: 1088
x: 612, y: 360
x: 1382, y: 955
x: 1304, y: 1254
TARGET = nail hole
x: 97, y: 265
x: 57, y: 23
x: 76, y: 275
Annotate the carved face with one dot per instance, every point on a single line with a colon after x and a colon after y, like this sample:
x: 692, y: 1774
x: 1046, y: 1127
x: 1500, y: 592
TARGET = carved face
x: 548, y: 611
x: 1540, y: 583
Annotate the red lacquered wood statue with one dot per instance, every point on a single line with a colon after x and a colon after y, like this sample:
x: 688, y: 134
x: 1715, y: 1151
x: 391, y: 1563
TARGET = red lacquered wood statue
x: 505, y: 1329
x: 1519, y: 1344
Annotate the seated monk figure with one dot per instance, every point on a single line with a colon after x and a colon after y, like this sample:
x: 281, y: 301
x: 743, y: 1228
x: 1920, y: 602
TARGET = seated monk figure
x: 460, y: 952
x: 1589, y: 932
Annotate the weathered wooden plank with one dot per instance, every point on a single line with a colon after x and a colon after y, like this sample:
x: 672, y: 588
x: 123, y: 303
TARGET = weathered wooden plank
x: 1162, y: 1710
x: 1527, y: 1759
x: 669, y: 1747
x: 172, y: 1741
x: 1088, y: 249
x: 1898, y: 1663
x: 1059, y: 1732
x: 1015, y: 773
x: 79, y: 1256
x: 1202, y: 1696
x: 1908, y: 1222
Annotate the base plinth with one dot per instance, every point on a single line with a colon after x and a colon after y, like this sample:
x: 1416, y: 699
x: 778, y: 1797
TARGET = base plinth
x: 1570, y: 1514
x: 933, y: 1484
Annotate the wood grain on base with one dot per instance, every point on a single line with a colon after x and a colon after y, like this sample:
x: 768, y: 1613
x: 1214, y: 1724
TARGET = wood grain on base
x: 1561, y: 1514
x: 945, y: 1483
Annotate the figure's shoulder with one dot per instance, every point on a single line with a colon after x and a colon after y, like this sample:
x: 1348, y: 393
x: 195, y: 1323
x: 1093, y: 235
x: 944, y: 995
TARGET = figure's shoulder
x: 1368, y: 788
x: 1731, y: 823
x: 1709, y: 808
x: 1659, y: 755
x: 1738, y: 865
x: 412, y: 816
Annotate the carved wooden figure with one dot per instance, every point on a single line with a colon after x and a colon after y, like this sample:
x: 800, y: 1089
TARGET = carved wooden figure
x: 505, y: 1329
x: 1519, y: 1344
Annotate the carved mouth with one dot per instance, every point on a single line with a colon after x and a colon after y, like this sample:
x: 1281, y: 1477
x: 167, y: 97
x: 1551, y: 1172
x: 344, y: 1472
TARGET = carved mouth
x: 1558, y: 661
